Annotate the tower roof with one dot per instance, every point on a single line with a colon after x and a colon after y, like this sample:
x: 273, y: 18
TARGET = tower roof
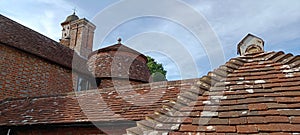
x: 119, y: 61
x: 118, y: 47
x: 71, y: 18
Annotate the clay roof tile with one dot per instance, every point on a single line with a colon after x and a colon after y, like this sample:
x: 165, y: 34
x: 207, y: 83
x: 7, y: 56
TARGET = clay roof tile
x: 255, y: 93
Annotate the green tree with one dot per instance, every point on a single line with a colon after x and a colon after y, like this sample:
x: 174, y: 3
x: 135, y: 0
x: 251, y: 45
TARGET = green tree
x: 158, y: 73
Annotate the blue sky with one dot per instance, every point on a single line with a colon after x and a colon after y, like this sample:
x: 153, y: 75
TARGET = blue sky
x: 166, y: 39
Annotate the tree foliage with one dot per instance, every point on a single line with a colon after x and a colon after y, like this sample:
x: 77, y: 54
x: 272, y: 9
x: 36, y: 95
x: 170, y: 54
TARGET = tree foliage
x: 158, y: 73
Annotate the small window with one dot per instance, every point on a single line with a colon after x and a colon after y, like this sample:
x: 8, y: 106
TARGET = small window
x: 98, y: 81
x: 82, y: 84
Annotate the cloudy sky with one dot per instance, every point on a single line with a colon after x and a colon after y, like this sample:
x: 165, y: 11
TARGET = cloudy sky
x: 188, y: 37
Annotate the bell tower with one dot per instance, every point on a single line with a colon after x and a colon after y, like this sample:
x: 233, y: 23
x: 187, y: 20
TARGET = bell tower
x: 78, y: 34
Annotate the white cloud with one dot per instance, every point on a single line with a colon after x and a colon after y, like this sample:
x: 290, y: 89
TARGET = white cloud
x: 276, y: 21
x: 39, y: 15
x: 182, y: 63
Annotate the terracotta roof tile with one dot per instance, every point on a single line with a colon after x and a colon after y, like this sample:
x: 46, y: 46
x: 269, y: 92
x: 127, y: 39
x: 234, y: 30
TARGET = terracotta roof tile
x: 253, y: 94
x: 246, y: 129
x: 118, y: 47
x: 94, y: 105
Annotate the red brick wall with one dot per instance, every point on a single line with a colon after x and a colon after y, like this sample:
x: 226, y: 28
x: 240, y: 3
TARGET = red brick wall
x: 23, y: 74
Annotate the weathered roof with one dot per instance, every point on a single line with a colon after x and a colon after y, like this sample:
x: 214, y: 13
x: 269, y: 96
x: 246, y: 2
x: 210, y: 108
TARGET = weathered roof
x: 118, y: 47
x: 91, y: 106
x: 252, y: 94
x: 115, y: 62
x: 70, y: 18
x: 18, y: 36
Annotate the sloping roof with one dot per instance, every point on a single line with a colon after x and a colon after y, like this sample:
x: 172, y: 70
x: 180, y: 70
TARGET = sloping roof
x: 118, y: 47
x: 257, y: 93
x: 91, y: 106
x: 18, y: 36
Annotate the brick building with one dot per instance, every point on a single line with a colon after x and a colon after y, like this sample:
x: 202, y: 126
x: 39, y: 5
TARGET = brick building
x: 28, y: 60
x: 66, y: 88
x: 43, y: 82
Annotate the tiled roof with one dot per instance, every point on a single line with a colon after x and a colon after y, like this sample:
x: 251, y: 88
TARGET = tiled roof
x: 91, y: 106
x: 118, y: 47
x: 18, y: 36
x: 21, y: 37
x: 253, y: 94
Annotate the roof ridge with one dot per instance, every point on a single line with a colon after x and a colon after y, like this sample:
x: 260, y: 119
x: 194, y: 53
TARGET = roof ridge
x: 237, y: 93
x: 286, y: 59
x: 260, y: 54
x: 153, y: 84
x: 186, y: 99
